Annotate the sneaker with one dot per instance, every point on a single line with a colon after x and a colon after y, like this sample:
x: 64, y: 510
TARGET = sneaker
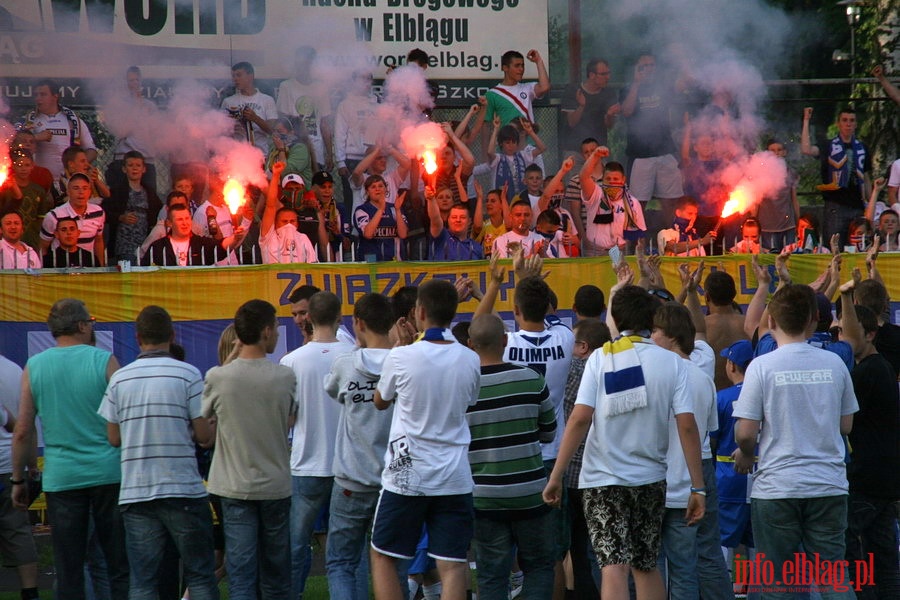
x: 515, y: 584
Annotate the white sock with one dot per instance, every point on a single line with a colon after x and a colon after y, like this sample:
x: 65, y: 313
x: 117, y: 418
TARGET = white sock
x: 413, y: 587
x: 433, y: 591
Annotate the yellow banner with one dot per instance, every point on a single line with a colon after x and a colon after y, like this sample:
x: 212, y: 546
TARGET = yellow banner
x: 214, y: 293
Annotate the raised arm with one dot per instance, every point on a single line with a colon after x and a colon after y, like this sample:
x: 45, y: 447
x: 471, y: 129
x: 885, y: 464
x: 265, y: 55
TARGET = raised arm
x: 468, y: 159
x: 268, y: 218
x: 436, y: 223
x: 586, y: 177
x: 497, y: 273
x: 877, y: 186
x: 889, y: 88
x: 624, y: 276
x: 543, y: 84
x: 805, y: 146
x: 555, y: 183
x: 690, y: 282
x: 851, y: 328
x: 478, y: 219
x: 491, y: 149
x: 358, y: 174
x: 757, y: 306
x: 539, y: 144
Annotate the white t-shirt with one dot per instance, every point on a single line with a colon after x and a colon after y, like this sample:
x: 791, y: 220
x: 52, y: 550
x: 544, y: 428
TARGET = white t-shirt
x: 309, y: 102
x: 528, y: 242
x: 49, y: 154
x: 315, y: 430
x: 703, y: 399
x: 799, y: 393
x: 629, y: 449
x: 286, y: 245
x: 605, y: 236
x: 894, y: 174
x: 10, y: 389
x: 704, y: 357
x: 433, y: 384
x: 263, y: 105
x: 182, y: 251
x: 549, y: 352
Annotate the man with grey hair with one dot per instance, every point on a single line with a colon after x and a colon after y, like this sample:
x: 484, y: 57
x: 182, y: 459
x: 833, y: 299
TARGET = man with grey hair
x: 81, y: 469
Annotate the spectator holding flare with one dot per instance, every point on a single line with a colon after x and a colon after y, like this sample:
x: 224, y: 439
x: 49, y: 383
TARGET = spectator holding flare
x: 27, y: 197
x: 182, y: 248
x: 451, y: 242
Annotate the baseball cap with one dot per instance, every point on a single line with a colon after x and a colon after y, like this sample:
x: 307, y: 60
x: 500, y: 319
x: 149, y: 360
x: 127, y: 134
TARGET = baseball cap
x: 321, y: 177
x: 292, y: 178
x: 740, y: 353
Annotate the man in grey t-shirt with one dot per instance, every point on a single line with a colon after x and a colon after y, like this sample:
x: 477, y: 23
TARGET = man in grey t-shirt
x: 799, y: 400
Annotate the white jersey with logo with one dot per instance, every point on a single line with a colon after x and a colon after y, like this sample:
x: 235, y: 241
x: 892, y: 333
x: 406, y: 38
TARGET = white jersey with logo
x: 263, y: 105
x: 49, y: 154
x: 549, y: 352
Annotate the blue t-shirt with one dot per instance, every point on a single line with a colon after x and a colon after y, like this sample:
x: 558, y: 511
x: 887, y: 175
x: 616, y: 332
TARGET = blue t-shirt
x: 449, y: 247
x: 820, y: 339
x: 732, y: 486
x: 67, y: 385
x: 383, y: 244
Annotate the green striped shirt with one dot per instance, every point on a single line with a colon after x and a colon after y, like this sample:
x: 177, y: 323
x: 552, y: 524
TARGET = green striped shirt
x: 513, y: 415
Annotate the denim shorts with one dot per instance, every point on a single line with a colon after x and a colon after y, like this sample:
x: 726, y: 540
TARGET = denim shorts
x: 399, y: 519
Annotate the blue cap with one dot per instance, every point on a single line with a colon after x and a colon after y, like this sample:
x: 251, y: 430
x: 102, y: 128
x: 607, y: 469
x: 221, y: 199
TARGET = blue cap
x: 740, y: 353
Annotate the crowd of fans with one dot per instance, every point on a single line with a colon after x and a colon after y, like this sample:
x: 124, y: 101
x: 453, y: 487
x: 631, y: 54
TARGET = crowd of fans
x: 624, y: 444
x: 390, y: 207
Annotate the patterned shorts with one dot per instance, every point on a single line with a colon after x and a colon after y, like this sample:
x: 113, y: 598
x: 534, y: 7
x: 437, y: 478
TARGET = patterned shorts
x: 625, y: 523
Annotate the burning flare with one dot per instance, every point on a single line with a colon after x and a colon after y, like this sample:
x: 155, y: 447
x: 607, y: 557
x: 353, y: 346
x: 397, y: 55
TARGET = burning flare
x: 4, y: 173
x: 429, y: 160
x: 233, y: 192
x: 738, y: 202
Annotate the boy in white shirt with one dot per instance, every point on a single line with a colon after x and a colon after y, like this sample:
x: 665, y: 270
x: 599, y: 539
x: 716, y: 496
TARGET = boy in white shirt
x: 427, y: 478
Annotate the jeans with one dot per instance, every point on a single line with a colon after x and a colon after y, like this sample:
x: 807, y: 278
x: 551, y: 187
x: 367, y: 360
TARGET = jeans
x: 493, y: 544
x: 837, y: 220
x: 346, y: 551
x: 678, y: 558
x: 257, y: 547
x: 872, y: 527
x: 309, y: 495
x: 715, y: 584
x: 584, y: 564
x: 69, y: 512
x: 781, y: 526
x: 148, y: 526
